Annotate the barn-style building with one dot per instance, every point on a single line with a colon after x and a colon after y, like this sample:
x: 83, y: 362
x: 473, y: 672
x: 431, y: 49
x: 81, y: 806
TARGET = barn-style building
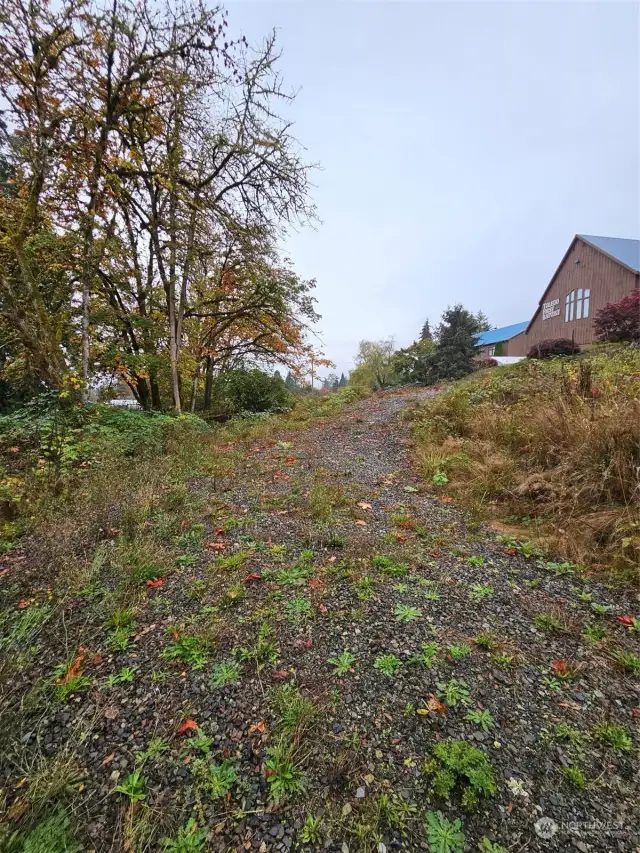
x: 593, y: 272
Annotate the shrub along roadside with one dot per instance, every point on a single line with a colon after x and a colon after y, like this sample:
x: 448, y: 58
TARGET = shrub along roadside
x: 554, y: 442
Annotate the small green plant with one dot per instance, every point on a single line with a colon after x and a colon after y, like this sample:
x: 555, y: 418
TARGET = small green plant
x: 478, y: 592
x: 486, y: 640
x: 403, y: 613
x: 552, y: 684
x: 613, y: 735
x: 119, y: 639
x: 312, y: 830
x: 458, y: 763
x: 156, y: 748
x: 342, y: 663
x: 216, y: 780
x: 487, y: 846
x: 125, y: 676
x: 132, y: 787
x: 188, y: 649
x: 232, y: 596
x: 562, y: 568
x: 546, y: 622
x: 439, y: 479
x: 364, y: 588
x: 482, y: 719
x: 443, y: 835
x: 52, y: 835
x: 293, y: 576
x: 601, y: 609
x: 627, y: 661
x: 387, y: 664
x: 504, y: 660
x: 575, y: 776
x: 298, y: 610
x: 427, y: 655
x: 225, y: 672
x: 594, y: 633
x: 265, y: 649
x: 389, y: 566
x: 474, y: 561
x: 293, y: 712
x: 282, y: 772
x: 458, y: 651
x: 562, y: 731
x: 189, y: 839
x: 453, y: 691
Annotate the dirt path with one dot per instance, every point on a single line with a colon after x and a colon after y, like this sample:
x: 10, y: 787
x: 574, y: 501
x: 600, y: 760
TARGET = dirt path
x: 324, y: 541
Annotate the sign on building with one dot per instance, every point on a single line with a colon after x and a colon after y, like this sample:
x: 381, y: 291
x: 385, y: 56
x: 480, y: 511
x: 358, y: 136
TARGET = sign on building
x: 550, y: 309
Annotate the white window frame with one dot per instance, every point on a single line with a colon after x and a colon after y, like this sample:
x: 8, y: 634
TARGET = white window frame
x: 491, y: 350
x: 586, y: 299
x: 579, y: 304
x: 569, y: 306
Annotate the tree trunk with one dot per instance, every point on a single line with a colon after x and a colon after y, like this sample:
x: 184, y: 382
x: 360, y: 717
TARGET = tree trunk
x: 208, y: 384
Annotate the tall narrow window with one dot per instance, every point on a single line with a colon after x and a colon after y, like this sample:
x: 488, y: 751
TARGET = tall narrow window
x: 579, y: 304
x: 572, y: 303
x: 586, y: 300
x: 567, y: 301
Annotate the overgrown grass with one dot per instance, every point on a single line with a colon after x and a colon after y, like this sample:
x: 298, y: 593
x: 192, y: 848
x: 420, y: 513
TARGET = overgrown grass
x: 555, y: 442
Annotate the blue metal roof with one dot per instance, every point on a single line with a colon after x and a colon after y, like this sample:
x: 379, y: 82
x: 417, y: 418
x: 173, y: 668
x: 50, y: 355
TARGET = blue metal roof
x: 625, y: 251
x: 503, y: 334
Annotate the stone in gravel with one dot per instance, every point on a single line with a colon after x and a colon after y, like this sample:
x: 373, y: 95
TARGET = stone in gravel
x: 361, y: 794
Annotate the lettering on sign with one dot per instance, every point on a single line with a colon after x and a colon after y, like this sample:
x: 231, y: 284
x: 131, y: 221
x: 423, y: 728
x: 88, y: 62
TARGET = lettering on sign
x: 550, y: 309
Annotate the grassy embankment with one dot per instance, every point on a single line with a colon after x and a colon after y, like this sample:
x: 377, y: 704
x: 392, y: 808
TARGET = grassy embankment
x: 551, y: 447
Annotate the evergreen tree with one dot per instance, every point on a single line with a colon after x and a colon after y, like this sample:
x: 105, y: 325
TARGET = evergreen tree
x: 277, y: 375
x: 426, y: 335
x: 291, y: 382
x: 482, y: 322
x: 456, y: 348
x: 343, y: 381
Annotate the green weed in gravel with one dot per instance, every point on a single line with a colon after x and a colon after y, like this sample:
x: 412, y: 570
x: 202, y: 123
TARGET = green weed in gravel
x: 387, y: 664
x: 443, y: 835
x: 190, y: 839
x: 453, y: 691
x: 191, y: 650
x: 225, y: 672
x: 342, y: 663
x: 283, y: 774
x: 458, y: 651
x: 294, y: 714
x: 404, y: 613
x: 456, y: 763
x: 478, y: 592
x: 298, y: 610
x: 481, y: 718
x: 614, y: 736
x: 132, y: 787
x: 216, y: 780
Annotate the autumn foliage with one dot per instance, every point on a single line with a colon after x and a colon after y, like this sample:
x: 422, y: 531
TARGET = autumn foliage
x: 619, y: 321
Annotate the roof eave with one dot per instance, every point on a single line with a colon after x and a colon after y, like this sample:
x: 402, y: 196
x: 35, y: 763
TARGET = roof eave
x: 606, y: 254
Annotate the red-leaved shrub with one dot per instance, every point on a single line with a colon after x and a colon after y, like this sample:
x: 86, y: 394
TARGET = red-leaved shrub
x: 486, y: 362
x: 619, y: 321
x: 553, y: 346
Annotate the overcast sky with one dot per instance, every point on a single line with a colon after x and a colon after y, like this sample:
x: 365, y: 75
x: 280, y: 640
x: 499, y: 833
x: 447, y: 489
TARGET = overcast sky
x: 462, y: 146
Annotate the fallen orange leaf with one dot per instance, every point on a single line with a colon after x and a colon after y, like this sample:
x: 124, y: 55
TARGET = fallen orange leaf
x: 281, y: 674
x: 445, y: 499
x: 216, y: 546
x: 187, y: 726
x: 364, y: 505
x: 361, y: 523
x: 24, y: 603
x: 219, y: 531
x: 108, y: 759
x: 252, y: 576
x: 257, y: 727
x: 3, y: 572
x: 154, y: 584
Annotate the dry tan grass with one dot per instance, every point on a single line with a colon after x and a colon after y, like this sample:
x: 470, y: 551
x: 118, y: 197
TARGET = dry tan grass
x: 535, y: 441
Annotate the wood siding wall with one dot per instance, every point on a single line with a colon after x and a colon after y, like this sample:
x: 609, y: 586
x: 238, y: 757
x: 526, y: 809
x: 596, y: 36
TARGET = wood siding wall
x: 586, y: 268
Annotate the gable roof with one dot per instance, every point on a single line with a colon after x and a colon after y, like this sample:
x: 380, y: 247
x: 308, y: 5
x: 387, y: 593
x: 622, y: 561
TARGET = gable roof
x: 624, y: 251
x: 494, y: 336
x: 628, y: 249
